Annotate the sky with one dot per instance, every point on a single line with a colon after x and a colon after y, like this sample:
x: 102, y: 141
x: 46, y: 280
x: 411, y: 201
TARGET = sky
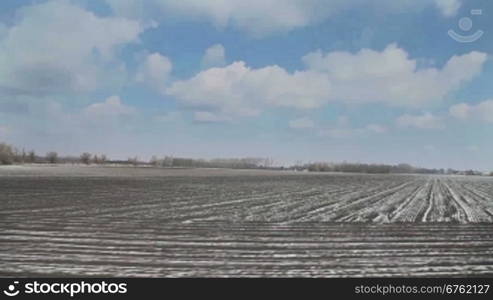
x: 380, y: 81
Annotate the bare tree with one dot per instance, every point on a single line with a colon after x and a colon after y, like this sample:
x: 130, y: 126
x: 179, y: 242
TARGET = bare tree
x: 155, y: 161
x: 23, y: 156
x: 168, y: 161
x: 52, y: 157
x: 133, y: 160
x: 85, y: 158
x: 31, y: 156
x: 6, y: 154
x: 17, y: 156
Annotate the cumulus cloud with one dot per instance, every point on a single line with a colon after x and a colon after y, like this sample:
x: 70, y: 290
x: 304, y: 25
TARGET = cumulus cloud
x: 368, y: 76
x: 302, y: 123
x: 482, y: 111
x: 110, y: 108
x: 424, y: 121
x: 57, y: 46
x: 263, y: 17
x: 390, y: 76
x: 240, y: 90
x: 155, y: 71
x: 215, y: 56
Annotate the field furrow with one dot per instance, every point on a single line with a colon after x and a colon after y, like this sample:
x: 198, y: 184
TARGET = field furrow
x: 133, y: 222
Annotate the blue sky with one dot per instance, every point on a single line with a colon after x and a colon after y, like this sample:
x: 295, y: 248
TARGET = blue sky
x: 319, y: 80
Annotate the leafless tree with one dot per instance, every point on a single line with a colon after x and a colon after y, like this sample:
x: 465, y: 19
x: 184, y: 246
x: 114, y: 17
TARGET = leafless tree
x: 31, y: 156
x: 168, y: 161
x: 133, y: 160
x: 155, y: 161
x: 6, y: 154
x: 85, y: 158
x: 52, y: 157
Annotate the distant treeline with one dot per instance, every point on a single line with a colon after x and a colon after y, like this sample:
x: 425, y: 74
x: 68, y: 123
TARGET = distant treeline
x: 11, y: 155
x: 230, y: 163
x: 378, y: 169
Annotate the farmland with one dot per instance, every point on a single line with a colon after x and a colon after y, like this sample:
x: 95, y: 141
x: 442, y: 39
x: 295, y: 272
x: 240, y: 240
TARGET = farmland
x: 103, y: 221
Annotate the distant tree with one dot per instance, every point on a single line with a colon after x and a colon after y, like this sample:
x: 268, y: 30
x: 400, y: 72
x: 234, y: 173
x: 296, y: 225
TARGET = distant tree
x: 6, y: 154
x: 168, y: 161
x: 23, y: 156
x: 17, y: 156
x: 85, y: 158
x: 133, y: 160
x: 155, y: 161
x: 52, y: 157
x: 31, y: 156
x: 491, y: 174
x: 268, y: 162
x: 103, y: 159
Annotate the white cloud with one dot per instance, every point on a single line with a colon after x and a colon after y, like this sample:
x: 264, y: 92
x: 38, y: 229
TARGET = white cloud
x: 110, y: 108
x: 368, y: 76
x: 302, y: 123
x: 155, y: 71
x: 57, y: 46
x: 240, y: 90
x: 391, y: 76
x: 209, y: 117
x: 482, y: 111
x: 215, y: 56
x: 425, y: 121
x: 448, y: 8
x: 263, y: 17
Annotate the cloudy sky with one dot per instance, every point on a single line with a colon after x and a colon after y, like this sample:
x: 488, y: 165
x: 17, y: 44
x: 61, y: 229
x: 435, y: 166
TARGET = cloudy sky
x: 332, y: 80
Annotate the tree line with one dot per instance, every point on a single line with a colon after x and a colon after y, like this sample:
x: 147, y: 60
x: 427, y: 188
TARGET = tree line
x: 346, y: 167
x: 230, y: 163
x: 11, y: 155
